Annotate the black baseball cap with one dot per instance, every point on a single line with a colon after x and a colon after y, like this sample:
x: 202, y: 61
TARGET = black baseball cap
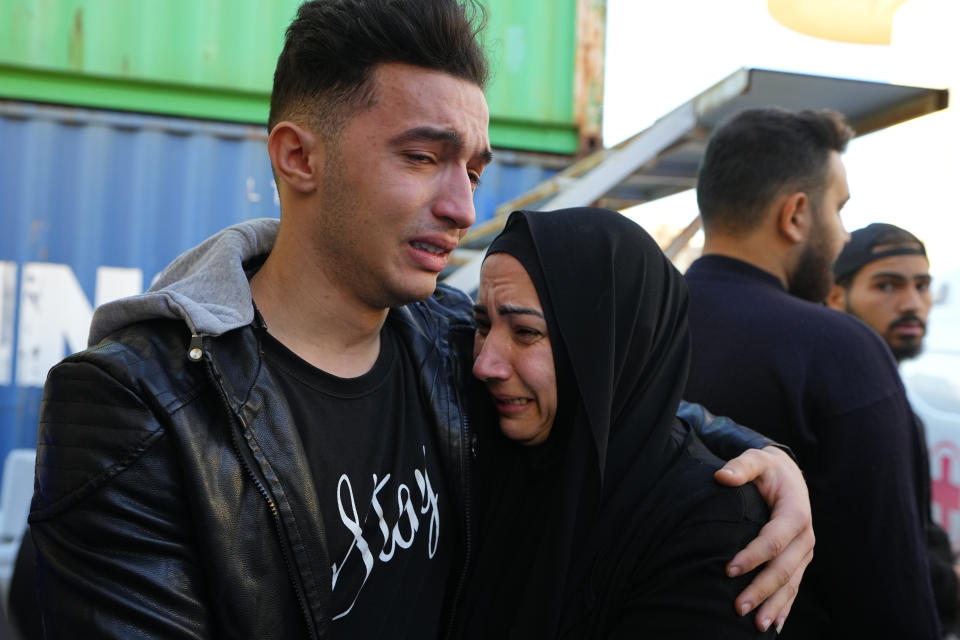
x: 874, y: 242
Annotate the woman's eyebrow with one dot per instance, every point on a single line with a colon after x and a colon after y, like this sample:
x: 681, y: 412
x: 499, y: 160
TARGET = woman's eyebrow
x: 508, y: 309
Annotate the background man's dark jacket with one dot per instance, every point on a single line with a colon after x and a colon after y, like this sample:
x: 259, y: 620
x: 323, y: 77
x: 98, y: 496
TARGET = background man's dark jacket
x: 823, y: 383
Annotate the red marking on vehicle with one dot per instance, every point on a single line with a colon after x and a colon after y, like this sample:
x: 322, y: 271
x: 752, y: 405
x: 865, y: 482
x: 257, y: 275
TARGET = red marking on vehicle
x: 944, y: 488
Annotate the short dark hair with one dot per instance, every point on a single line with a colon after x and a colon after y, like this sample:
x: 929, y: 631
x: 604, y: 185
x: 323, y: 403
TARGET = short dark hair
x: 332, y: 47
x: 758, y: 154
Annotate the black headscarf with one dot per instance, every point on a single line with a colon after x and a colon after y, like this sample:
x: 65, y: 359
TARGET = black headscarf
x: 561, y: 518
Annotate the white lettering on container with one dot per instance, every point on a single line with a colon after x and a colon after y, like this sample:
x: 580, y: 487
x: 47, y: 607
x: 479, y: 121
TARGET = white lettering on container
x: 8, y: 305
x: 55, y: 314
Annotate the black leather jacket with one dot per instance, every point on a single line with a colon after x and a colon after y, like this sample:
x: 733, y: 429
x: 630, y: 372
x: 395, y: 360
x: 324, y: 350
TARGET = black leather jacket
x: 173, y: 498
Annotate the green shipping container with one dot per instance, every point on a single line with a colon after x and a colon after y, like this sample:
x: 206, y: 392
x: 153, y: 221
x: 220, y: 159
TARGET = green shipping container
x: 214, y: 59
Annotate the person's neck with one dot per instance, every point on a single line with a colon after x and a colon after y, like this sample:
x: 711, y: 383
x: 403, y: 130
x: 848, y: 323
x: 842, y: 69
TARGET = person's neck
x: 754, y: 249
x: 313, y: 317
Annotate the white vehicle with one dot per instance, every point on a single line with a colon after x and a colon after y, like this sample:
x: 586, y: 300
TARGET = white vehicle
x: 933, y: 386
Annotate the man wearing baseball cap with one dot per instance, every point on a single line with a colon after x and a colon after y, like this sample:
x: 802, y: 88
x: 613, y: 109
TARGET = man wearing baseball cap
x: 882, y: 277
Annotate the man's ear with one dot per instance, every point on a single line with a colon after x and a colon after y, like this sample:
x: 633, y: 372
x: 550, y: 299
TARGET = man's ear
x: 794, y: 217
x: 295, y: 155
x: 837, y: 298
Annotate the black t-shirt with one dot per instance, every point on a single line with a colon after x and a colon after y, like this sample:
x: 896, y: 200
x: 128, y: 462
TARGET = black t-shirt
x: 370, y: 448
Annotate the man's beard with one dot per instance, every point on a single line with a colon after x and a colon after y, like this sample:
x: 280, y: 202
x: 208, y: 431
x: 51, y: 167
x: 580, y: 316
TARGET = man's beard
x: 813, y: 276
x: 906, y: 350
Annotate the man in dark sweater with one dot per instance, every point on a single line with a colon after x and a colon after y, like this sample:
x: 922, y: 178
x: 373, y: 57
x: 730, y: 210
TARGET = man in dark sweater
x: 883, y: 277
x: 770, y: 190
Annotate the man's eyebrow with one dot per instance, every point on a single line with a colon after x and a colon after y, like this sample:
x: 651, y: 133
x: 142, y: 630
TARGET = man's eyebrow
x: 433, y: 134
x: 888, y: 275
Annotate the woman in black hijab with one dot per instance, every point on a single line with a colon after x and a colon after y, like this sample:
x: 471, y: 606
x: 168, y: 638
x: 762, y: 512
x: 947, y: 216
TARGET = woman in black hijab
x: 609, y: 522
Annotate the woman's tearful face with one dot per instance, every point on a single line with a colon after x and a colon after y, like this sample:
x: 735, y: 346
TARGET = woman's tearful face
x: 512, y: 352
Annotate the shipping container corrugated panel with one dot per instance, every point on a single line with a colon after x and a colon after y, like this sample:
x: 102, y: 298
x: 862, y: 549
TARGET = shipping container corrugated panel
x: 94, y: 204
x: 215, y: 59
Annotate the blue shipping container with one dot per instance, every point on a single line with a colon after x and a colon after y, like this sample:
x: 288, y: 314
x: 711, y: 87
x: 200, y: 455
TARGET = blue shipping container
x: 94, y: 204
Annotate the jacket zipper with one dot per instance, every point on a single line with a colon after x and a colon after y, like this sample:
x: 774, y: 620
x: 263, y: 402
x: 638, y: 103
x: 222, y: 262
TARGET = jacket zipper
x: 466, y: 448
x: 278, y: 525
x: 301, y: 599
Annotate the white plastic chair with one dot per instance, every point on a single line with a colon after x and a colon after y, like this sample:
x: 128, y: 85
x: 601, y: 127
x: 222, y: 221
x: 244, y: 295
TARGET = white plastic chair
x: 16, y: 491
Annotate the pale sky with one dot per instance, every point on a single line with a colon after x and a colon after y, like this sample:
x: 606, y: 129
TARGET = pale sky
x: 662, y: 53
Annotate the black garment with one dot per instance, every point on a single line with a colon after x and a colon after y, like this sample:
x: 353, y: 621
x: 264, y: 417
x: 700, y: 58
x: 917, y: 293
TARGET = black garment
x: 942, y: 575
x: 23, y: 611
x: 823, y: 383
x: 368, y: 442
x: 172, y: 496
x: 614, y: 526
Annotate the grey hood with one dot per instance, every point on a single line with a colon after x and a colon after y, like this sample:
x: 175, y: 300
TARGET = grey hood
x: 206, y: 286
